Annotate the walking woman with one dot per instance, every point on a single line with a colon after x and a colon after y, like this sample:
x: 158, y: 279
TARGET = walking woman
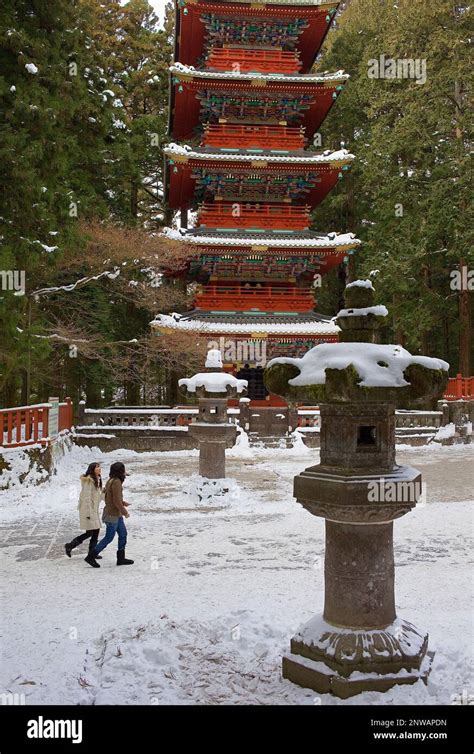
x: 114, y: 513
x: 88, y: 507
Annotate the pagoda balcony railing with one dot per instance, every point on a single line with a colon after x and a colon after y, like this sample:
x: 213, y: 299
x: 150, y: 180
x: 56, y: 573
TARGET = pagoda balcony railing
x: 254, y: 273
x: 242, y: 60
x: 240, y: 298
x: 261, y: 137
x: 278, y: 216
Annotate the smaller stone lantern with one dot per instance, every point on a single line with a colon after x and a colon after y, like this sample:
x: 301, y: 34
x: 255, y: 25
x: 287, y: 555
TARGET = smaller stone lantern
x: 213, y: 388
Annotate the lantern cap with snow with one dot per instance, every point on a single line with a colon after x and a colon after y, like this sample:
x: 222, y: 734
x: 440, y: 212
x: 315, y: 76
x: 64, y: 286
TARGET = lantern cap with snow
x: 357, y: 369
x: 214, y: 359
x: 213, y: 383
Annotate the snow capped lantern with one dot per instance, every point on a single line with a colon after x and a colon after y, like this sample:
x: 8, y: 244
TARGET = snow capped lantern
x: 358, y: 644
x: 212, y: 430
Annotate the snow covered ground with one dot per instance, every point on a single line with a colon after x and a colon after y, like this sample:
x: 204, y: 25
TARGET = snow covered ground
x: 219, y: 584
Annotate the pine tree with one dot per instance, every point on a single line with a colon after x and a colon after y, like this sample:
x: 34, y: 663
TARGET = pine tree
x: 407, y: 197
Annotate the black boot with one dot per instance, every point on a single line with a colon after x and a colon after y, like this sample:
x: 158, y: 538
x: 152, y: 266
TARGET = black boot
x: 121, y: 559
x: 69, y: 546
x: 91, y: 552
x: 92, y: 561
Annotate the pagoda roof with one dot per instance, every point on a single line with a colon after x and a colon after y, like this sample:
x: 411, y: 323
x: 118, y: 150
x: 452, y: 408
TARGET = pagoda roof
x: 190, y: 34
x: 320, y: 171
x: 183, y: 153
x: 188, y: 71
x: 308, y: 323
x: 276, y: 238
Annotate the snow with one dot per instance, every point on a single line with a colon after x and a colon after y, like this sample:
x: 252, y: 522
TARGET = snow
x: 120, y: 410
x: 197, y: 325
x: 20, y: 467
x: 378, y: 311
x: 324, y: 241
x: 305, y: 78
x: 47, y: 248
x: 31, y: 68
x: 221, y: 582
x: 444, y: 433
x: 77, y: 283
x: 361, y: 284
x: 213, y: 358
x: 178, y: 150
x: 213, y: 382
x: 377, y: 365
x: 136, y: 428
x: 313, y: 631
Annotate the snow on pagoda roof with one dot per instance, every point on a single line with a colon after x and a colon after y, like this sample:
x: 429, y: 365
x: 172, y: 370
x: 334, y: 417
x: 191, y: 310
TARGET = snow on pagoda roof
x: 303, y: 239
x: 245, y: 326
x: 377, y: 365
x: 302, y: 78
x: 180, y: 151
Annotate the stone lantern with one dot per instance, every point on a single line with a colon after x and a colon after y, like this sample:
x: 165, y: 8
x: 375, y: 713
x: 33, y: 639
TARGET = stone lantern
x: 359, y: 643
x: 213, y: 388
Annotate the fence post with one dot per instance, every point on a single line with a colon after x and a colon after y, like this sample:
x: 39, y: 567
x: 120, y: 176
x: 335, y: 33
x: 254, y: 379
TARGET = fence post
x: 81, y: 411
x: 70, y: 412
x: 9, y: 426
x: 45, y: 421
x: 18, y: 426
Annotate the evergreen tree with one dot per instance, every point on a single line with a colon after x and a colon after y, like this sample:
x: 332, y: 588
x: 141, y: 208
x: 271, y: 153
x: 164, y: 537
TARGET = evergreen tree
x: 407, y: 197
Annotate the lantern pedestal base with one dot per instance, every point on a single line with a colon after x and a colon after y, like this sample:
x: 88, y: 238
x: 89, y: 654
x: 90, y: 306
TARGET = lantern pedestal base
x: 346, y: 662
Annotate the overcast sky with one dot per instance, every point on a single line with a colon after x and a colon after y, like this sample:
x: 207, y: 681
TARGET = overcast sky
x: 159, y: 6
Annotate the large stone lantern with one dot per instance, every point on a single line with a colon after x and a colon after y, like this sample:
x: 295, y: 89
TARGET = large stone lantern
x: 213, y: 388
x: 359, y: 643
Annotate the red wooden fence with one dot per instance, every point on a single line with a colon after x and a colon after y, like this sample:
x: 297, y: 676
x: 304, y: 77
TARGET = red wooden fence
x: 27, y: 425
x: 459, y: 387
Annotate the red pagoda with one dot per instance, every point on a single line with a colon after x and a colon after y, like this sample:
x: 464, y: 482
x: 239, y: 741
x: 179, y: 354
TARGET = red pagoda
x: 245, y: 110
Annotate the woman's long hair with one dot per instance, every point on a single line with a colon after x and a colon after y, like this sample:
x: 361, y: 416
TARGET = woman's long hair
x: 91, y: 472
x: 117, y: 471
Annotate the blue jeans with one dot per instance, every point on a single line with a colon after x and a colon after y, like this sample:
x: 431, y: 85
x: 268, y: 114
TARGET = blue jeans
x: 110, y: 531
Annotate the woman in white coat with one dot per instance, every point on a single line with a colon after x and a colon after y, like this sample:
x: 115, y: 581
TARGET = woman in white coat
x: 88, y: 507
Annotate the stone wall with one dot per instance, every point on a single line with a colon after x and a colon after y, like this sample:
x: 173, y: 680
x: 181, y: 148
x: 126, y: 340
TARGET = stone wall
x: 142, y: 440
x: 32, y: 465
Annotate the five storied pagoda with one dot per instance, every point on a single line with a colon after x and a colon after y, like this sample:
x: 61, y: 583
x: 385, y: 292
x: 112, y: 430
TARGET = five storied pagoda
x: 244, y: 115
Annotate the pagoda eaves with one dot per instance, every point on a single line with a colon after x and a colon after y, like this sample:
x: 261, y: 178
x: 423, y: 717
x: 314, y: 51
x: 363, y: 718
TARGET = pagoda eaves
x: 195, y: 91
x: 301, y: 24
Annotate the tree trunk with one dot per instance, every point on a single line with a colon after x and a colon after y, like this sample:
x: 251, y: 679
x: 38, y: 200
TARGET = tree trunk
x: 134, y: 200
x: 464, y: 325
